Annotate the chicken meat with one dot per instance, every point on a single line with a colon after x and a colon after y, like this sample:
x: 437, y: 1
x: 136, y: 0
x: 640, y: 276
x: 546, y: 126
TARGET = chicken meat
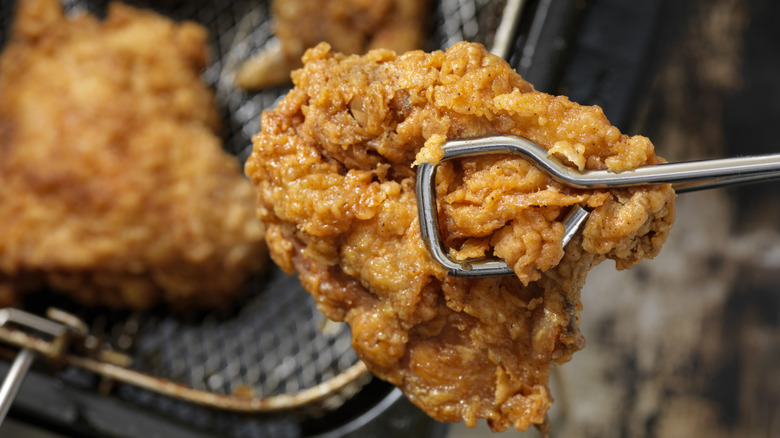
x: 335, y: 177
x: 114, y: 186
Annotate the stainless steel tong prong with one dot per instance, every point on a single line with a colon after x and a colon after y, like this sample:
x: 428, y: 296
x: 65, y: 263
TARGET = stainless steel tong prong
x: 684, y: 176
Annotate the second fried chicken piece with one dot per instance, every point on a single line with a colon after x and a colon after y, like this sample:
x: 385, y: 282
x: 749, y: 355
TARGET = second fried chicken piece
x: 113, y: 184
x: 350, y: 26
x: 333, y: 167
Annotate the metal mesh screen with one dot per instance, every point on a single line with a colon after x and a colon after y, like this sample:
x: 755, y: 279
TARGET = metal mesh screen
x: 272, y: 340
x: 275, y: 343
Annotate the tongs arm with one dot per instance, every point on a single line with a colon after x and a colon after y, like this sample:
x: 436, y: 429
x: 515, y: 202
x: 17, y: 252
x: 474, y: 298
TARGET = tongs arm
x: 685, y: 176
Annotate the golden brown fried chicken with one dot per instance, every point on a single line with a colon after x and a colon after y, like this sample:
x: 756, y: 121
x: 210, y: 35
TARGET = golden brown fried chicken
x: 113, y: 184
x: 333, y: 167
x: 349, y: 26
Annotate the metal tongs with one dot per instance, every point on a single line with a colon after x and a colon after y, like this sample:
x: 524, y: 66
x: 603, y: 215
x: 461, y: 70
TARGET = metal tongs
x: 684, y: 176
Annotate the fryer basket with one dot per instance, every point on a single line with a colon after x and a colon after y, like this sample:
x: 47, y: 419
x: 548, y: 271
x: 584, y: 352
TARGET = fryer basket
x: 270, y: 351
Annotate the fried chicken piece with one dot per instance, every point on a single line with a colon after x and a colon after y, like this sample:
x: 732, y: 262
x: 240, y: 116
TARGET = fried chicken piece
x: 113, y: 184
x: 350, y: 26
x: 333, y: 167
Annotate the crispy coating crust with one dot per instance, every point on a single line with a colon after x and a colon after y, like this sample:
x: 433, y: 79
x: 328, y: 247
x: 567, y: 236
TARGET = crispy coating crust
x: 333, y: 167
x: 113, y: 184
x: 349, y: 26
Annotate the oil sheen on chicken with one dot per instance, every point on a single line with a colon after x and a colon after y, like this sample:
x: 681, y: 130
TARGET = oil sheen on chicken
x: 334, y: 171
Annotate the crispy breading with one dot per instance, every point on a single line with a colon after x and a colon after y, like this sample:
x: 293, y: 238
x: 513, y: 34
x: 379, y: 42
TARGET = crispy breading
x: 113, y: 183
x: 349, y: 26
x: 333, y: 167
